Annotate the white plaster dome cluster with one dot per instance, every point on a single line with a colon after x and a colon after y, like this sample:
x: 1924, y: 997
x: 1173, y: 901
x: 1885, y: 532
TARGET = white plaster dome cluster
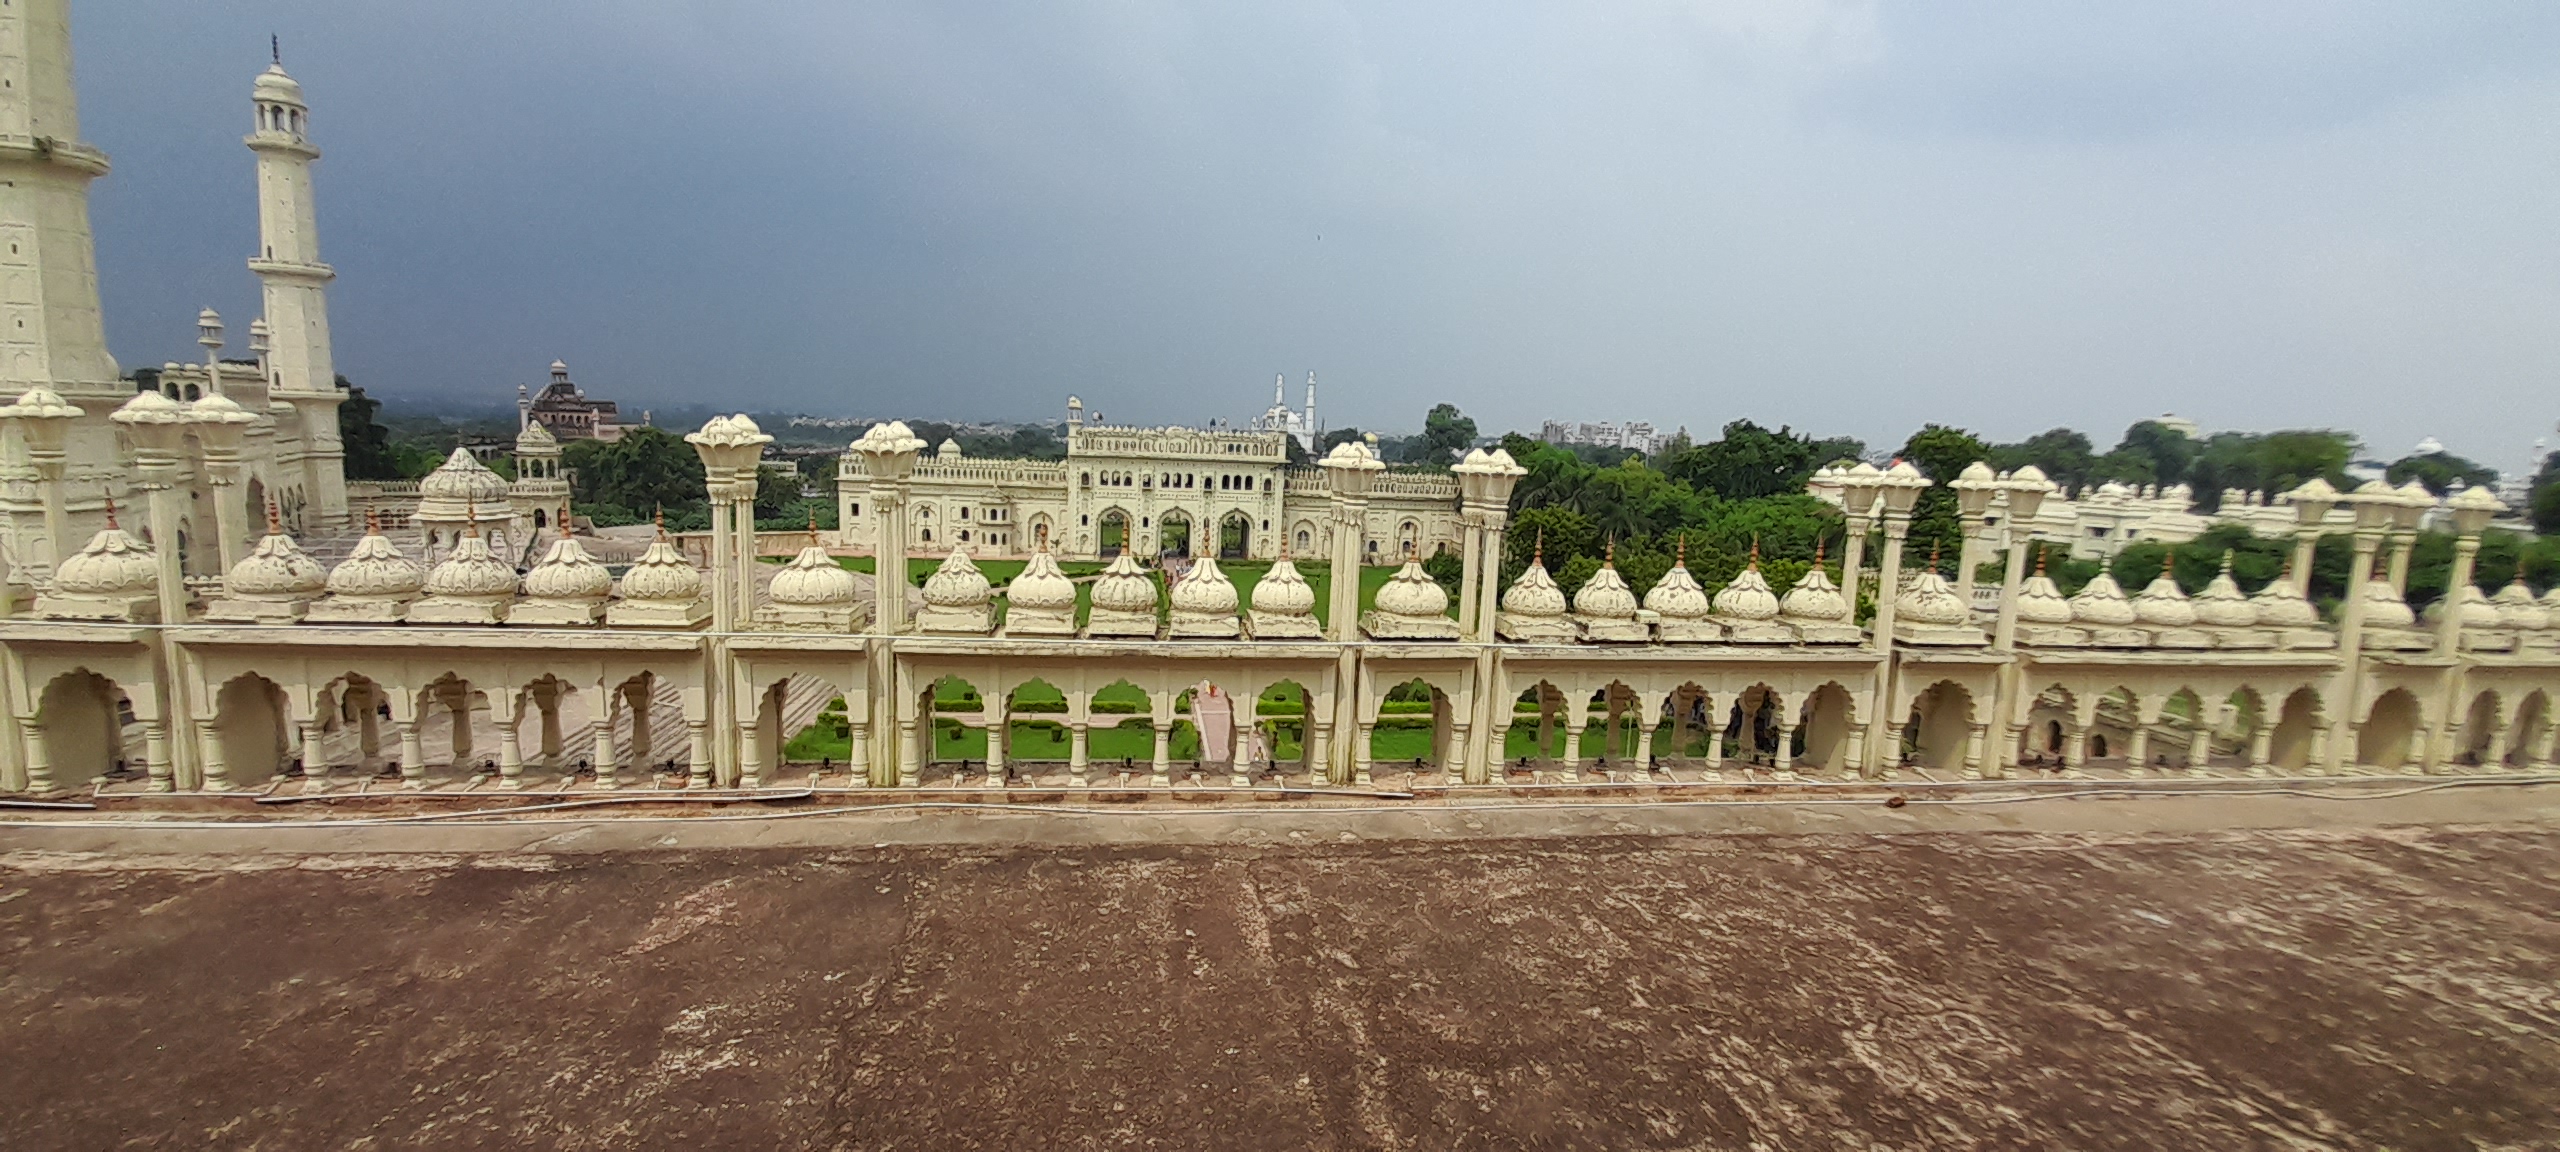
x: 1282, y: 591
x: 462, y: 479
x: 2477, y: 611
x: 276, y: 569
x: 2040, y: 600
x: 471, y: 572
x: 113, y: 565
x: 2102, y: 603
x: 2517, y: 608
x: 662, y: 575
x: 2281, y: 605
x: 2383, y: 607
x: 1041, y: 586
x: 1124, y: 587
x: 813, y: 579
x: 375, y: 570
x: 957, y: 583
x: 1206, y: 591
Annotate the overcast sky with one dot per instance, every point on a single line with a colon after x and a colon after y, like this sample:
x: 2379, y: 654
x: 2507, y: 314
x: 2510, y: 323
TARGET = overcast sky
x: 1848, y: 217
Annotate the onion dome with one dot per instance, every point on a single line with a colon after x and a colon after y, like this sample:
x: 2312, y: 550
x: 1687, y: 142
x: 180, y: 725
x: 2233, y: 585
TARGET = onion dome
x: 1124, y: 587
x: 2222, y: 604
x: 2162, y: 604
x: 2518, y: 609
x: 1929, y: 599
x: 2102, y: 603
x: 1206, y: 591
x: 2477, y: 612
x: 1535, y: 593
x: 662, y: 574
x: 2040, y: 601
x: 1604, y: 596
x: 568, y: 573
x: 2281, y: 605
x: 1040, y: 586
x: 1412, y: 593
x: 813, y: 579
x: 274, y: 85
x: 1283, y: 592
x: 957, y: 583
x: 276, y: 569
x: 535, y: 436
x: 1749, y: 597
x: 463, y: 480
x: 2383, y: 608
x: 1815, y: 598
x: 376, y: 569
x: 113, y: 565
x: 471, y: 572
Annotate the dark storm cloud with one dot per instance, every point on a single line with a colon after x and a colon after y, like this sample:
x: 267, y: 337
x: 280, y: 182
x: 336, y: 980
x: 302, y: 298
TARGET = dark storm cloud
x: 1845, y: 216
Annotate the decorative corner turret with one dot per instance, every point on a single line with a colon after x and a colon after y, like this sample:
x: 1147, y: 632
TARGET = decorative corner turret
x: 958, y: 601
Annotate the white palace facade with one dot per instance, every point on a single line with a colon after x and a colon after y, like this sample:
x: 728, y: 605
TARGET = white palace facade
x: 424, y: 662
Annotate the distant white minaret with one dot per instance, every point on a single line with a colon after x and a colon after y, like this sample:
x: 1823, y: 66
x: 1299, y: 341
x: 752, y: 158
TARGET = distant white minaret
x: 289, y: 268
x: 1315, y: 431
x: 1279, y: 380
x: 52, y: 334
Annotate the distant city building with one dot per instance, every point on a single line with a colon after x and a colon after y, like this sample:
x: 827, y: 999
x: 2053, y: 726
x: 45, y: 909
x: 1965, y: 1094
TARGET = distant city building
x: 564, y: 410
x: 1634, y: 434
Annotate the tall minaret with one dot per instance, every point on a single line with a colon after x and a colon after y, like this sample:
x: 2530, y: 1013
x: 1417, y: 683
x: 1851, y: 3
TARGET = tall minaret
x: 302, y: 375
x: 50, y: 331
x: 1315, y: 431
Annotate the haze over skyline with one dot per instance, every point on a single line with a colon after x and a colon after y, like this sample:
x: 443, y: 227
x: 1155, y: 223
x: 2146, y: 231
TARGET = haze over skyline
x: 1846, y: 217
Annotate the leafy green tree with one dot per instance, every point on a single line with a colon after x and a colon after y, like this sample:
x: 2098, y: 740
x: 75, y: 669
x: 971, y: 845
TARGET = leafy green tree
x: 2161, y: 452
x: 2438, y: 471
x: 2544, y: 506
x: 1941, y: 453
x: 1749, y: 461
x: 2067, y: 457
x: 1446, y: 435
x: 643, y: 470
x: 368, y: 444
x: 1337, y: 436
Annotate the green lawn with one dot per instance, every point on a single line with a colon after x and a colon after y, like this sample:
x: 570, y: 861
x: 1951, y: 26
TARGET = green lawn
x: 1245, y: 574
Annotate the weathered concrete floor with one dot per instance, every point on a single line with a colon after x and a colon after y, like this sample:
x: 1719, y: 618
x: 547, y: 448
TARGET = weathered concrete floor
x: 2259, y: 989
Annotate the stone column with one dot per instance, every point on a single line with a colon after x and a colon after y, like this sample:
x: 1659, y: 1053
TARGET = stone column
x: 2262, y: 742
x: 413, y: 754
x: 857, y: 757
x: 2200, y: 749
x: 1489, y: 592
x: 608, y: 761
x: 1453, y: 764
x: 1471, y: 563
x: 1360, y: 734
x: 751, y: 743
x: 1241, y: 761
x: 510, y: 754
x: 998, y: 731
x: 724, y: 611
x: 2137, y: 750
x: 217, y: 772
x: 911, y: 752
x: 1161, y: 767
x: 2350, y: 647
x: 1782, y: 763
x: 315, y: 762
x: 1319, y: 752
x: 155, y: 755
x: 2403, y: 542
x: 1079, y: 756
x: 2319, y: 759
x: 39, y: 756
x: 1897, y: 526
x: 2540, y: 756
x: 698, y: 749
x: 1974, y: 739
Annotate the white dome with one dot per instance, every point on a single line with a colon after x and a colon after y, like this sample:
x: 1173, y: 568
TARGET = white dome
x: 2041, y: 602
x: 1413, y: 594
x: 2477, y: 612
x: 1125, y: 587
x: 813, y: 579
x: 471, y: 573
x: 275, y: 570
x: 1815, y: 598
x: 1929, y: 599
x: 1535, y: 593
x: 2281, y: 605
x: 2383, y: 608
x: 535, y: 436
x: 662, y: 574
x: 1040, y: 586
x: 2222, y: 604
x: 464, y: 480
x: 1605, y: 596
x: 2162, y: 604
x: 113, y: 565
x: 274, y: 85
x: 568, y: 573
x: 1206, y: 591
x: 2102, y: 603
x: 1749, y: 597
x: 957, y: 583
x: 376, y: 569
x: 2518, y: 609
x: 1283, y: 592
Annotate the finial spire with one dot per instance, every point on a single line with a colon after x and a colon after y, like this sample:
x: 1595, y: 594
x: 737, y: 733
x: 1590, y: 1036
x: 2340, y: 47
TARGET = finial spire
x: 1538, y: 554
x: 275, y: 525
x: 661, y: 521
x: 1755, y: 548
x: 373, y: 521
x: 111, y: 511
x: 275, y: 48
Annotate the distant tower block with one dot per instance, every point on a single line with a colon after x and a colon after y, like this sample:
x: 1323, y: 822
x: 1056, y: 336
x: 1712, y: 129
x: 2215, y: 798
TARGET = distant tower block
x: 302, y: 372
x: 51, y: 333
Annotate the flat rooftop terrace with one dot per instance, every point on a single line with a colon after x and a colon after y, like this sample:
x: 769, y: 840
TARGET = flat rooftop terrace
x: 2286, y: 969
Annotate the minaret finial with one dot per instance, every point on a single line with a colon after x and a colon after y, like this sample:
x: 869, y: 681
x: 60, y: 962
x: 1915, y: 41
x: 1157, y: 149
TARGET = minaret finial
x: 1681, y: 558
x: 2040, y: 555
x: 275, y: 525
x: 1933, y: 555
x: 1538, y: 554
x: 275, y: 48
x: 661, y: 520
x: 373, y: 522
x: 813, y: 526
x: 1755, y: 548
x: 111, y: 511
